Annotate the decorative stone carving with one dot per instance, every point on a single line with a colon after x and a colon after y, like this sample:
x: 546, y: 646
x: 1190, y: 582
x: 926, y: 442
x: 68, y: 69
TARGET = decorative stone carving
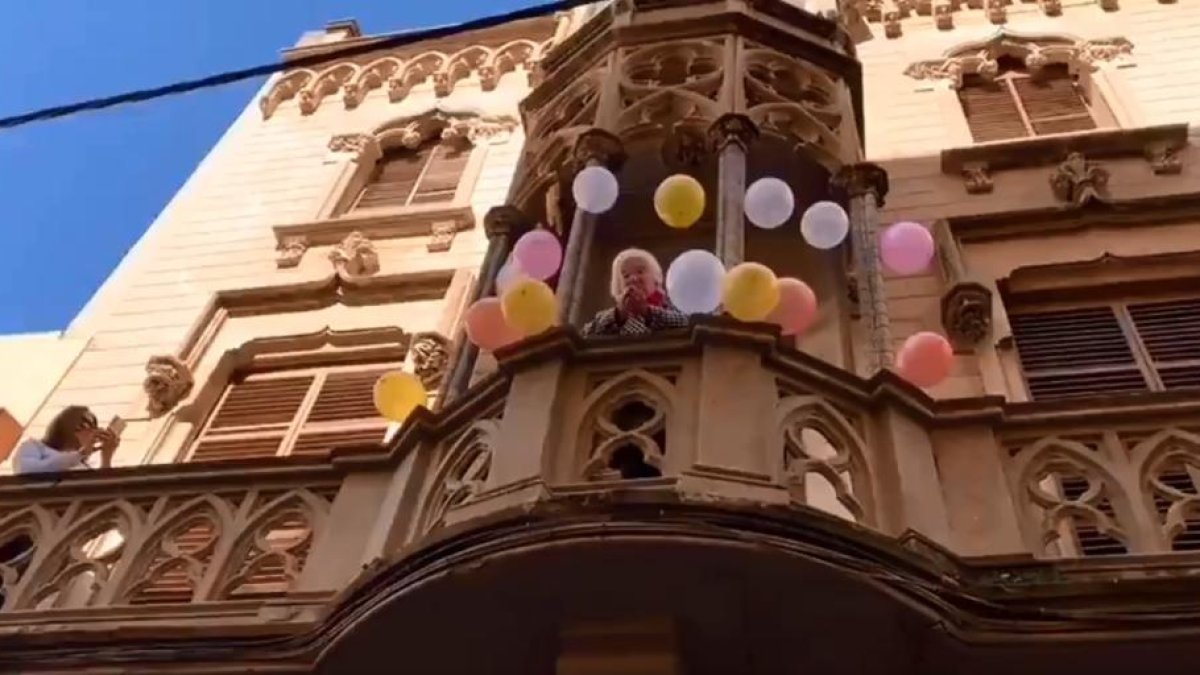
x: 732, y: 128
x: 1110, y: 5
x: 505, y: 221
x: 556, y: 219
x: 982, y: 58
x: 430, y: 357
x: 856, y: 180
x: 475, y: 129
x: 997, y: 11
x: 168, y: 381
x: 977, y: 178
x: 291, y: 252
x: 355, y: 256
x: 441, y: 236
x: 943, y: 16
x: 1051, y: 7
x: 351, y: 143
x: 600, y: 146
x: 891, y: 25
x: 1165, y: 159
x: 684, y: 146
x: 966, y: 304
x: 1078, y: 181
x: 400, y: 73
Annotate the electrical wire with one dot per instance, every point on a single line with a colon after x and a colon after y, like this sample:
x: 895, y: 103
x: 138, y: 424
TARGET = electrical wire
x: 229, y: 77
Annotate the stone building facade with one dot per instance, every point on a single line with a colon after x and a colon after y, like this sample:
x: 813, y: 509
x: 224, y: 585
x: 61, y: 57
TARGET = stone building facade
x: 1037, y: 510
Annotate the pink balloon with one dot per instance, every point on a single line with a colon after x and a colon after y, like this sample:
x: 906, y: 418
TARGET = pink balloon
x: 486, y: 327
x: 797, y: 308
x: 925, y: 359
x: 906, y: 248
x: 538, y: 254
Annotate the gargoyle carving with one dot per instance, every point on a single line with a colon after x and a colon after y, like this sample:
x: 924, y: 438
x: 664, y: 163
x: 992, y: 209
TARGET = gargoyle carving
x: 168, y: 381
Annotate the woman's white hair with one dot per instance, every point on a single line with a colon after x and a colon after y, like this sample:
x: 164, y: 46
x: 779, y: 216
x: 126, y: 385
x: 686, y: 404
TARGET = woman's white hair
x: 617, y: 282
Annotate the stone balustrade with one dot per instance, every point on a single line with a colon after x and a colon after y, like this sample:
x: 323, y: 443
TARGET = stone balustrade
x: 721, y: 416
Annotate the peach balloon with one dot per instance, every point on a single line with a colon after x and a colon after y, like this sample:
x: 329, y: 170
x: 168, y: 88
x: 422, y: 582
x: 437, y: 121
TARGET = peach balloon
x: 797, y: 308
x: 486, y: 327
x: 925, y: 359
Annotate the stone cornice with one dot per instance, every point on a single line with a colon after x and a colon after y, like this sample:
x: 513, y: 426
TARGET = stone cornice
x: 409, y: 221
x: 1037, y: 51
x: 893, y: 15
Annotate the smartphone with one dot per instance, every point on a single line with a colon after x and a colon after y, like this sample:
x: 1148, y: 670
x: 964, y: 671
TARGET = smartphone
x: 117, y: 425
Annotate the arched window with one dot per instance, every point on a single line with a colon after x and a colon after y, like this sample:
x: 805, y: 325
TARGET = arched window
x: 404, y: 176
x: 1018, y: 104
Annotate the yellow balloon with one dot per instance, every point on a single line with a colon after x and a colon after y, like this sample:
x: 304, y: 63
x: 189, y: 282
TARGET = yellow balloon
x: 679, y: 201
x: 529, y: 306
x: 397, y: 394
x: 750, y: 292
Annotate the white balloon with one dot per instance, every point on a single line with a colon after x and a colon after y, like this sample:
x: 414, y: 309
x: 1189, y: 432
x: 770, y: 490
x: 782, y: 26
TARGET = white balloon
x: 824, y: 225
x: 769, y: 203
x: 595, y: 189
x: 694, y: 282
x: 510, y: 273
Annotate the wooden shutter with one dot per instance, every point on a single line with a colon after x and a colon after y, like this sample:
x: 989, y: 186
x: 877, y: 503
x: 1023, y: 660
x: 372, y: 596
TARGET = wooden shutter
x: 991, y: 110
x: 1076, y: 352
x: 253, y: 418
x: 394, y: 178
x: 343, y: 413
x: 440, y: 180
x: 1170, y: 333
x: 1053, y: 102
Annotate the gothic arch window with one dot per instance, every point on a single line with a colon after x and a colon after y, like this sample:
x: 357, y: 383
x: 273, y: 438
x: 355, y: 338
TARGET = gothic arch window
x: 405, y: 176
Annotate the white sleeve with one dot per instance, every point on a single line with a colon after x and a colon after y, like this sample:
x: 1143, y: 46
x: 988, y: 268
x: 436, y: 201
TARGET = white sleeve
x: 35, y: 457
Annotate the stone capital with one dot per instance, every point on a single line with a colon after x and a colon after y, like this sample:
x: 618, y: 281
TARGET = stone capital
x: 732, y: 128
x: 856, y: 180
x: 504, y: 221
x: 598, y: 145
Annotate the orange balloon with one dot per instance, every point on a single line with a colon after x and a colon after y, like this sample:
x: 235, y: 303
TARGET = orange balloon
x: 925, y: 359
x: 486, y: 327
x: 797, y: 308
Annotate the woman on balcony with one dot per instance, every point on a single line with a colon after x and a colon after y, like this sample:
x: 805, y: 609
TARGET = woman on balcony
x: 641, y: 305
x: 71, y: 437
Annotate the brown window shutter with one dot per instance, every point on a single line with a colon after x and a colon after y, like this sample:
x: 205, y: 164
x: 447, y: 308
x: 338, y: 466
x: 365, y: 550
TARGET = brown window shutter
x: 197, y: 540
x: 441, y: 178
x: 343, y: 414
x: 394, y: 177
x: 1170, y: 332
x: 253, y: 418
x: 1053, y: 102
x: 991, y: 110
x: 1076, y: 352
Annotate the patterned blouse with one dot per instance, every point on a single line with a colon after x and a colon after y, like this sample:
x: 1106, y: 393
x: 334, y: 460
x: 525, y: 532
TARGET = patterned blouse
x: 657, y: 318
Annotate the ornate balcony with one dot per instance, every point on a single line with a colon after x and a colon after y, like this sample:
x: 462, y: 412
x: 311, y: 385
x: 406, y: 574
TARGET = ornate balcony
x: 677, y: 476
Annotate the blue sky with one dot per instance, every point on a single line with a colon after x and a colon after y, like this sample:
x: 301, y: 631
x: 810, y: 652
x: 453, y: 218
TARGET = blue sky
x: 76, y: 193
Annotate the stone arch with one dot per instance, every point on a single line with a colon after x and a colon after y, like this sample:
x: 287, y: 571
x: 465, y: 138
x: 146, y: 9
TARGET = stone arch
x: 370, y: 77
x: 1168, y: 472
x: 462, y: 474
x: 284, y: 89
x: 415, y: 71
x: 625, y: 427
x: 835, y: 455
x: 507, y: 58
x: 459, y: 66
x: 328, y: 82
x: 182, y: 544
x: 273, y: 543
x: 20, y: 534
x: 1061, y: 485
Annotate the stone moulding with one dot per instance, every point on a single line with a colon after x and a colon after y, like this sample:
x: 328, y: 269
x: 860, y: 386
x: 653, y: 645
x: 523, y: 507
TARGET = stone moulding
x: 436, y: 221
x: 1037, y: 51
x: 1161, y: 146
x: 399, y: 73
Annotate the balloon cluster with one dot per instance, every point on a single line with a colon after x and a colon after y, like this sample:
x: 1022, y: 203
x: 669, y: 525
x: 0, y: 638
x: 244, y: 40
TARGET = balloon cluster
x: 525, y: 304
x: 697, y: 283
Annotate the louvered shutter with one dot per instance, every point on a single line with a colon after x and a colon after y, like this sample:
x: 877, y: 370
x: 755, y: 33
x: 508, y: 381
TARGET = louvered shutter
x: 1170, y: 332
x: 1053, y: 102
x: 1076, y: 352
x: 395, y: 177
x: 991, y: 110
x: 343, y: 413
x: 253, y: 418
x: 1177, y: 476
x: 440, y: 180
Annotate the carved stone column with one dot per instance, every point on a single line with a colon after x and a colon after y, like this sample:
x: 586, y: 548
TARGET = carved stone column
x: 966, y: 303
x: 595, y: 147
x: 731, y: 136
x: 503, y: 224
x: 866, y: 185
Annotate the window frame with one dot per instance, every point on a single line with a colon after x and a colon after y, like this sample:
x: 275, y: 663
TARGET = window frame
x: 435, y: 147
x: 1008, y: 78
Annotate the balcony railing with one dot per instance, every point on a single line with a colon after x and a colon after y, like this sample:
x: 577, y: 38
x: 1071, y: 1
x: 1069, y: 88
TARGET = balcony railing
x: 721, y: 415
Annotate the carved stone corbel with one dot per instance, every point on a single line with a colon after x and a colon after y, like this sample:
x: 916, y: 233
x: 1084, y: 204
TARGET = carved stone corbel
x: 1110, y: 5
x: 1051, y: 7
x: 505, y: 221
x: 351, y: 143
x: 441, y: 236
x: 355, y: 256
x: 732, y: 128
x: 430, y: 358
x: 891, y: 24
x: 1165, y: 159
x: 997, y: 11
x: 168, y: 381
x: 1078, y: 181
x: 290, y: 252
x: 943, y: 15
x: 600, y: 146
x: 856, y: 180
x: 966, y: 303
x: 977, y: 178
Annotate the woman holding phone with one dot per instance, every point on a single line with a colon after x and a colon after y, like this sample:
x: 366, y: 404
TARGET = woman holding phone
x: 71, y: 438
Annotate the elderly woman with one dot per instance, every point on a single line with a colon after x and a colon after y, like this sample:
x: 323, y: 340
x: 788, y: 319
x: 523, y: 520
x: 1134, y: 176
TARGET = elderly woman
x: 642, y: 306
x: 71, y: 437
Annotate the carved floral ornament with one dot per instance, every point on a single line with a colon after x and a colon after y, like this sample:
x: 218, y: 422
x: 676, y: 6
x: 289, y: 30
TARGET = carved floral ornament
x: 982, y: 59
x: 412, y: 132
x: 399, y: 74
